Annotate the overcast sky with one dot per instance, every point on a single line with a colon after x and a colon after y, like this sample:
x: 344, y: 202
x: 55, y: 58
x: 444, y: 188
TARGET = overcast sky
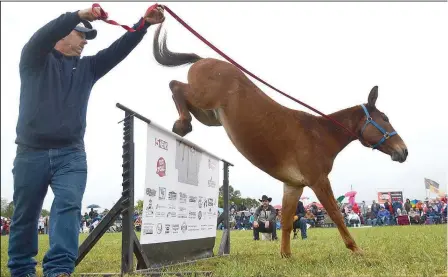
x: 328, y: 55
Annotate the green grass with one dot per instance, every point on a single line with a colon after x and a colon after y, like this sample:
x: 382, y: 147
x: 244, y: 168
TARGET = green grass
x: 389, y: 251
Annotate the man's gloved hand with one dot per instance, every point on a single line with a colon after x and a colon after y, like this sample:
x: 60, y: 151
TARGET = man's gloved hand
x: 90, y: 14
x: 155, y: 16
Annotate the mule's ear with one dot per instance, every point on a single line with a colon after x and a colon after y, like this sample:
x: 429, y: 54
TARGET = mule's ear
x: 373, y: 95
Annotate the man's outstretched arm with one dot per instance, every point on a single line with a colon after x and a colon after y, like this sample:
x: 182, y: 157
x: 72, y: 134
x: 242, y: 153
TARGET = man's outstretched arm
x: 108, y: 58
x: 44, y: 39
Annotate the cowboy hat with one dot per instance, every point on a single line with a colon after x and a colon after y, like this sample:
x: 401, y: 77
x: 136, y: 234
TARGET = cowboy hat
x: 264, y: 197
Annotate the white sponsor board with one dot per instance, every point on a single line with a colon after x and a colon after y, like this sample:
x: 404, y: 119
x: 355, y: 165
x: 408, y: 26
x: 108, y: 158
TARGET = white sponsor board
x: 181, y: 191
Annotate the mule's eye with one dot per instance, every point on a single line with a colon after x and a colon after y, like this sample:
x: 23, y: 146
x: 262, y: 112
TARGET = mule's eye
x: 385, y: 118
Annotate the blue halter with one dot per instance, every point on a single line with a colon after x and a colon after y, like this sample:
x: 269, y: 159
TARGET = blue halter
x: 386, y: 135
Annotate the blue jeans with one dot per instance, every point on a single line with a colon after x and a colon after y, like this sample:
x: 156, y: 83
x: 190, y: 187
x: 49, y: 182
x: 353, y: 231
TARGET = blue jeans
x: 371, y: 222
x: 301, y: 224
x: 65, y: 171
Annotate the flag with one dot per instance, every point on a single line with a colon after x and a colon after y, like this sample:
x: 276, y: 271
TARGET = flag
x: 433, y: 186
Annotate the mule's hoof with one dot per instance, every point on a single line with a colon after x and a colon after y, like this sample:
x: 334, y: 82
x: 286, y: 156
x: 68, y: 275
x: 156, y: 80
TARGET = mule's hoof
x: 285, y: 254
x: 358, y: 251
x: 182, y: 128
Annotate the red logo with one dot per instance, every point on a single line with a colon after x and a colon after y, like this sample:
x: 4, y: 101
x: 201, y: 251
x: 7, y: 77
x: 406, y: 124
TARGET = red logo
x: 161, y: 167
x: 161, y: 143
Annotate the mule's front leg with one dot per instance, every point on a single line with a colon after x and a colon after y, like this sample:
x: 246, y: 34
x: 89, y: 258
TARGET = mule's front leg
x: 325, y: 195
x: 182, y: 126
x: 291, y: 196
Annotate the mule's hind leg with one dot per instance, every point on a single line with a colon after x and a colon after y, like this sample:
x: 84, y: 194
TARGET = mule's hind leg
x: 325, y: 195
x: 206, y: 117
x: 291, y: 195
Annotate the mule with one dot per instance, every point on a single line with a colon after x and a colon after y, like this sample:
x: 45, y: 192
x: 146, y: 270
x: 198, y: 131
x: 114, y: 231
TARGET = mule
x: 292, y: 146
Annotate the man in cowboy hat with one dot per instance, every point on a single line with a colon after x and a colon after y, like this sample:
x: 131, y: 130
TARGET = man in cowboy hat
x: 264, y: 219
x: 55, y: 88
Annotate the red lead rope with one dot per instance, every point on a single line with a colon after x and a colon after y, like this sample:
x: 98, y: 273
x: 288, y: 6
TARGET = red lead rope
x: 104, y: 17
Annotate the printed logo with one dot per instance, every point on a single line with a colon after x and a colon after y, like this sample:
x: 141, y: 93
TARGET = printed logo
x: 150, y: 192
x: 162, y: 193
x: 161, y: 167
x: 184, y: 227
x: 199, y: 215
x: 182, y: 198
x: 191, y: 215
x: 210, y: 202
x: 192, y: 199
x: 159, y: 228
x: 175, y: 228
x: 171, y: 214
x: 200, y: 202
x: 148, y: 229
x: 160, y: 214
x: 149, y: 209
x: 167, y: 228
x: 161, y: 144
x: 182, y: 209
x: 160, y: 207
x: 172, y: 195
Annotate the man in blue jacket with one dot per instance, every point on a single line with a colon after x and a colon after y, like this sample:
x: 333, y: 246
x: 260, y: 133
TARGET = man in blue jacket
x: 55, y: 88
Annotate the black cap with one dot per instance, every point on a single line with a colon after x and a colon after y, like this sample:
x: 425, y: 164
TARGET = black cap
x: 87, y: 29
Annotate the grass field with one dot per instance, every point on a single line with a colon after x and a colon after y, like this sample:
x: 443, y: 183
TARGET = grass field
x: 389, y: 251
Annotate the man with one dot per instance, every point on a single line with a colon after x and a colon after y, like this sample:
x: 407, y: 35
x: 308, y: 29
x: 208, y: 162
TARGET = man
x: 264, y: 219
x: 55, y: 88
x: 408, y: 205
x: 375, y: 208
x: 300, y: 220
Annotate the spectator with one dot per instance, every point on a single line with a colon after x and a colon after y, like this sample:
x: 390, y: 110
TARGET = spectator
x: 310, y: 218
x: 353, y: 218
x: 414, y: 216
x: 363, y: 208
x: 387, y: 206
x: 375, y: 208
x: 264, y: 219
x: 434, y: 217
x: 300, y: 221
x: 408, y: 206
x: 370, y: 218
x: 233, y: 207
x: 383, y: 216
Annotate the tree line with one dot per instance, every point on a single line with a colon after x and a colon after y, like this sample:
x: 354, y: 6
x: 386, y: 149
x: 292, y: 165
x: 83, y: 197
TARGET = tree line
x: 7, y: 209
x: 234, y: 196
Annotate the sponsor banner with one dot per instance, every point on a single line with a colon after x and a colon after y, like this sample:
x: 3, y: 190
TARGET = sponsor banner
x: 391, y: 196
x: 181, y: 191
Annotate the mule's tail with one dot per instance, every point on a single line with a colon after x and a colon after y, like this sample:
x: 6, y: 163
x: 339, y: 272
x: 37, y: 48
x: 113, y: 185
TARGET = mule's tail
x: 167, y: 58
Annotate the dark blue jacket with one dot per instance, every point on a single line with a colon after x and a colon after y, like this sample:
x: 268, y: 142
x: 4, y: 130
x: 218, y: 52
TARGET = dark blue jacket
x: 55, y: 89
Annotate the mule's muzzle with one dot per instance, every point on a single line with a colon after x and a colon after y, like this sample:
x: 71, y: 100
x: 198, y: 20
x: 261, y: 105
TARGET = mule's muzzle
x: 400, y: 155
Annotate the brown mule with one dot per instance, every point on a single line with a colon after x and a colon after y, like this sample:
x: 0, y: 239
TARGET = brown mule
x: 292, y: 146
